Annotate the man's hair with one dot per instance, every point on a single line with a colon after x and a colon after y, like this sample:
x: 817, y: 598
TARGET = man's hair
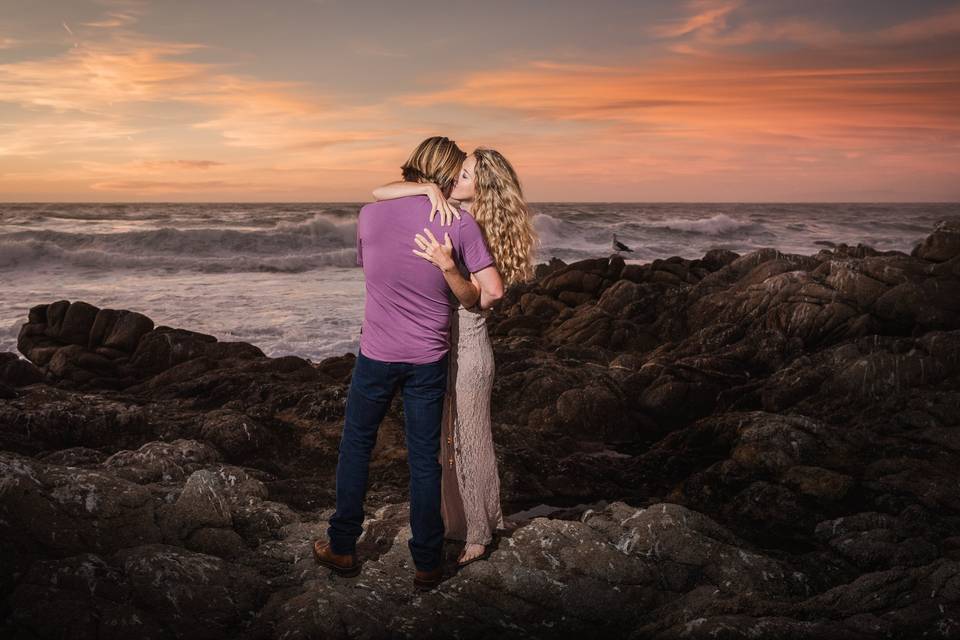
x: 437, y: 159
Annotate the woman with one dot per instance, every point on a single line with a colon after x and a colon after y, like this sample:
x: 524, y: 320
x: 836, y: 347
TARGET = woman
x: 488, y: 188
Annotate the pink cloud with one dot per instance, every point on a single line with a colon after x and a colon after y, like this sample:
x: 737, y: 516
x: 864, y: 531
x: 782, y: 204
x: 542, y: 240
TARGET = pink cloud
x: 707, y: 15
x: 702, y: 114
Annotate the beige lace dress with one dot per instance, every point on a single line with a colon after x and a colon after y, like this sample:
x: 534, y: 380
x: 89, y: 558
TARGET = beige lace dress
x: 470, y: 487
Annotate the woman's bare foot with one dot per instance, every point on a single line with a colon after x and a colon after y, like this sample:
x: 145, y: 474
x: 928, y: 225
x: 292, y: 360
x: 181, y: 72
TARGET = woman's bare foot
x: 471, y: 551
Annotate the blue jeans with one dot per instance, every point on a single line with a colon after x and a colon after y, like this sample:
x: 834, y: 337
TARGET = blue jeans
x: 372, y: 388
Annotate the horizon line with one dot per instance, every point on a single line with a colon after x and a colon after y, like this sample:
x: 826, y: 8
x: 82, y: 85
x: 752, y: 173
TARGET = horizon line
x: 530, y: 202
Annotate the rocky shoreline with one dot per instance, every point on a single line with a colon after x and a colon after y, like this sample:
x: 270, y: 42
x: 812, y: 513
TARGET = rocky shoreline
x: 770, y: 444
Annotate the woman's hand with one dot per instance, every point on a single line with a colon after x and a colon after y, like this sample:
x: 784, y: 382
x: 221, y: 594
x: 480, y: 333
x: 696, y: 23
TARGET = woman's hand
x: 439, y: 204
x: 439, y: 254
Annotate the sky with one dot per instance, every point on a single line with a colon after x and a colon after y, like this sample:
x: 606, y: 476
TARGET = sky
x: 603, y: 101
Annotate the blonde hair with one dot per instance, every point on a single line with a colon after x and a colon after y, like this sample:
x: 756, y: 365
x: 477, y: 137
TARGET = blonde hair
x: 503, y: 216
x: 437, y: 159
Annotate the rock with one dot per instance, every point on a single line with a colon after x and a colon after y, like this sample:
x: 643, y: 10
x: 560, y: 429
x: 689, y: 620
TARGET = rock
x: 609, y: 572
x: 595, y: 411
x: 77, y: 323
x: 114, y: 349
x: 716, y: 259
x: 583, y: 277
x: 520, y: 325
x: 126, y: 330
x: 49, y: 418
x: 757, y: 445
x: 539, y: 306
x: 84, y: 593
x: 51, y: 510
x: 165, y: 347
x: 704, y: 549
x: 817, y: 483
x: 195, y: 594
x: 52, y: 316
x: 542, y: 270
x: 338, y: 369
x: 207, y: 501
x: 162, y: 461
x: 883, y: 601
x: 235, y: 434
x: 941, y: 245
x: 17, y: 372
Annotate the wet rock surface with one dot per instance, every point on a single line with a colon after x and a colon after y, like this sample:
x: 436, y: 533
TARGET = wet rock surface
x: 763, y: 445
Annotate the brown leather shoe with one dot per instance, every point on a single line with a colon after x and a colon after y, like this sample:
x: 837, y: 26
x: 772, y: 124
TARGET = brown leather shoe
x: 426, y: 580
x: 345, y: 565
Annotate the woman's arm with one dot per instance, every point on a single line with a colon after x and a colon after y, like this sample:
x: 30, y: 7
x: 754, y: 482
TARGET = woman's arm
x: 438, y: 203
x: 400, y: 189
x: 442, y: 256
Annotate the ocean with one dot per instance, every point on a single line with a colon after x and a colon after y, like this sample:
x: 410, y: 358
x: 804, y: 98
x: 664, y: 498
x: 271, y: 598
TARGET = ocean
x: 283, y: 276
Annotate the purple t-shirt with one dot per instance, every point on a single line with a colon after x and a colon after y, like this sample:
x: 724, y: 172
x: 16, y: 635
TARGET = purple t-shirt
x: 406, y: 316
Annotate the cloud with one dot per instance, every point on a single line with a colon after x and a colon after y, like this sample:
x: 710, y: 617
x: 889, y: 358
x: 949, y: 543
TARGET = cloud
x: 165, y: 186
x: 709, y: 27
x: 942, y: 24
x: 113, y: 109
x: 116, y: 110
x: 369, y: 48
x: 96, y: 76
x: 742, y: 118
x: 126, y: 83
x: 832, y: 87
x: 113, y: 20
x: 707, y: 15
x: 181, y: 164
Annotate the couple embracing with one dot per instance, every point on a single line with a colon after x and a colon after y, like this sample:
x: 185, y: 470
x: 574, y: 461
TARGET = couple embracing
x: 432, y: 272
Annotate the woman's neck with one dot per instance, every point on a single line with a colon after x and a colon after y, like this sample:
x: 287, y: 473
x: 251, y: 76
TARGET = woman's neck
x: 467, y: 206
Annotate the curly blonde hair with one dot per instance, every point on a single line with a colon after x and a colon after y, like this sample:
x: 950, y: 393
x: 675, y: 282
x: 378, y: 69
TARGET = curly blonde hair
x: 503, y: 216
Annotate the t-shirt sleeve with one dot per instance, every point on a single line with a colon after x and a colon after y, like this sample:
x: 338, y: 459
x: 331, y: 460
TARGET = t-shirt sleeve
x: 473, y: 249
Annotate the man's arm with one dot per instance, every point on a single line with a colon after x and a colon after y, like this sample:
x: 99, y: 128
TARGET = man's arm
x: 478, y: 259
x: 490, y: 284
x: 467, y: 291
x: 442, y: 256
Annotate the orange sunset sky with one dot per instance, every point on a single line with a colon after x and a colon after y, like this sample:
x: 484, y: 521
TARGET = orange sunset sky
x: 320, y: 100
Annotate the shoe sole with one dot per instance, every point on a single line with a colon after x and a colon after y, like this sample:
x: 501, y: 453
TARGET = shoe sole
x: 483, y: 556
x: 425, y: 586
x: 461, y: 565
x: 340, y: 571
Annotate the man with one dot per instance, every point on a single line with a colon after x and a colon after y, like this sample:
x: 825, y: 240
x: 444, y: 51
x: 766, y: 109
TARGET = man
x: 404, y: 345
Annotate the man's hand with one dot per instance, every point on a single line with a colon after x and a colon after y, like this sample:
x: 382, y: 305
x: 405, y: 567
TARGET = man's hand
x: 439, y: 204
x: 439, y: 254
